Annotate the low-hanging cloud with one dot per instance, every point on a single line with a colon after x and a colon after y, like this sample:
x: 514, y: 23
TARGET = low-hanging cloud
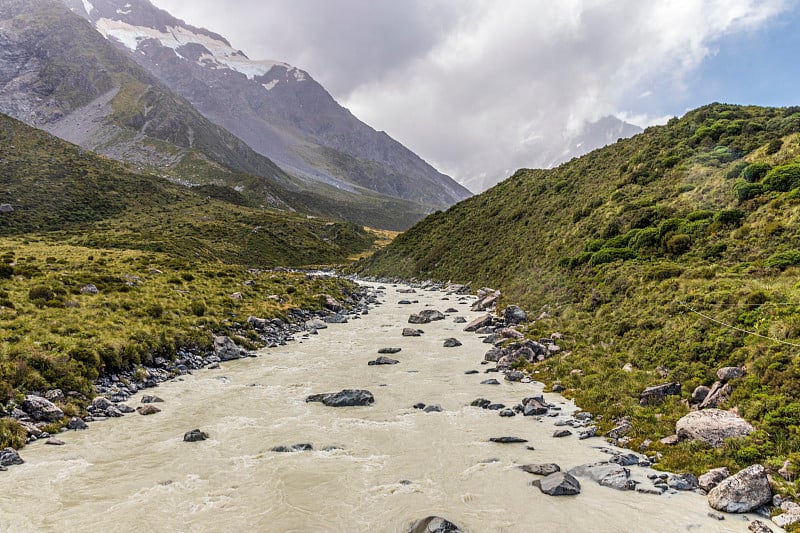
x: 480, y: 87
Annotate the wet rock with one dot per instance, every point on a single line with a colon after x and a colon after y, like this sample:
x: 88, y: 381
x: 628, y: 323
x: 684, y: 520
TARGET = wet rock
x: 712, y: 478
x: 148, y: 409
x: 507, y: 440
x: 55, y: 442
x: 451, y: 342
x: 606, y: 474
x: 404, y: 302
x: 125, y: 408
x: 587, y: 433
x: 479, y: 322
x: 389, y: 350
x: 302, y: 447
x: 483, y: 403
x: 469, y: 372
x: 101, y: 403
x: 657, y: 394
x: 336, y: 319
x: 344, y: 398
x: 742, y: 492
x: 412, y: 332
x: 76, y: 423
x: 383, y: 361
x: 712, y: 426
x: 9, y: 456
x: 625, y: 459
x: 757, y: 526
x: 148, y: 398
x: 560, y: 433
x: 490, y: 382
x: 507, y: 413
x: 541, y: 469
x: 535, y: 406
x: 194, y: 435
x: 432, y: 315
x: 316, y: 323
x: 418, y: 319
x: 433, y: 408
x: 41, y: 409
x: 496, y: 406
x: 730, y: 372
x: 418, y: 405
x: 559, y: 484
x: 459, y: 320
x: 434, y: 524
x: 515, y: 375
x: 226, y: 349
x: 451, y: 310
x: 682, y: 482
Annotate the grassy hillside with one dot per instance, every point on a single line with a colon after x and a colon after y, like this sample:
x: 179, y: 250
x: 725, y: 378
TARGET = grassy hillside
x: 624, y: 247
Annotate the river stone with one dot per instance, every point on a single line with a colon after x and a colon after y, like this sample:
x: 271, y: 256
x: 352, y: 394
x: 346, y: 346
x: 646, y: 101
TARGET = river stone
x: 451, y: 342
x: 460, y: 320
x: 412, y: 332
x: 301, y: 447
x: 788, y: 518
x: 9, y: 456
x: 470, y: 372
x: 336, y: 319
x: 54, y: 442
x: 194, y: 435
x: 682, y: 482
x: 147, y: 409
x: 101, y: 402
x: 226, y: 349
x: 606, y: 474
x: 434, y: 524
x: 757, y: 526
x: 712, y: 478
x: 490, y: 382
x: 41, y: 409
x: 404, y: 302
x: 479, y: 322
x: 418, y: 319
x: 148, y: 398
x: 76, y: 423
x: 316, y: 323
x: 730, y: 372
x: 542, y: 469
x: 432, y: 408
x: 515, y: 375
x: 389, y: 350
x: 712, y: 426
x: 507, y: 440
x: 514, y: 315
x: 742, y: 492
x: 559, y: 433
x: 432, y: 314
x: 344, y: 398
x: 483, y: 403
x: 559, y: 484
x: 383, y: 361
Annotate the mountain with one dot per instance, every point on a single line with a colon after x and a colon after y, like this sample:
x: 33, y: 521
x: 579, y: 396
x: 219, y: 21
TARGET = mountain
x: 49, y: 186
x: 58, y: 73
x: 675, y: 252
x: 277, y: 109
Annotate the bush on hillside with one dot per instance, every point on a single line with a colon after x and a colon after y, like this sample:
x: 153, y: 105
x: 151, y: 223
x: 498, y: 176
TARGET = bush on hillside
x: 754, y: 172
x: 783, y: 178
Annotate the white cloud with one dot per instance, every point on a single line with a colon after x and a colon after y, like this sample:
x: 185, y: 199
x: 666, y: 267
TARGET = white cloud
x: 477, y: 87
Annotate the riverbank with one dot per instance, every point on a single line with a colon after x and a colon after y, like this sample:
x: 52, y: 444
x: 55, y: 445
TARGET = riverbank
x: 387, y: 464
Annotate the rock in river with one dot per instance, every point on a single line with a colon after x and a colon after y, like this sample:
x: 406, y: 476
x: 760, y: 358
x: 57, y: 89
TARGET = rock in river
x: 389, y: 350
x: 147, y: 409
x: 507, y: 440
x: 383, y: 361
x: 344, y: 398
x: 559, y: 484
x: 434, y: 524
x: 412, y: 332
x: 451, y: 342
x: 9, y: 456
x: 542, y: 469
x: 194, y: 435
x: 41, y: 409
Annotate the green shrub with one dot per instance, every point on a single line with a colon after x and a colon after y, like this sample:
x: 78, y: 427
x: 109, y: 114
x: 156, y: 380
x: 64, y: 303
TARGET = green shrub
x: 783, y: 260
x: 662, y: 272
x: 609, y: 255
x: 40, y: 293
x: 783, y: 178
x: 198, y: 308
x: 755, y: 172
x: 11, y: 433
x: 678, y: 244
x: 729, y: 217
x: 774, y: 146
x: 746, y: 191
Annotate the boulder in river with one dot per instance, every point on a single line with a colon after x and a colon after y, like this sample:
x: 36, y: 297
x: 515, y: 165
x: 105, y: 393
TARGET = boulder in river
x: 194, y: 435
x: 41, y: 409
x: 479, y: 322
x: 559, y: 484
x: 610, y: 475
x: 418, y: 319
x: 336, y: 319
x: 490, y: 382
x: 412, y: 332
x: 541, y: 469
x: 148, y: 398
x: 743, y: 492
x: 147, y: 409
x: 316, y: 323
x: 507, y: 440
x: 76, y: 423
x: 451, y: 342
x: 433, y: 408
x: 389, y: 350
x: 712, y: 426
x: 226, y: 349
x: 712, y: 478
x: 432, y: 314
x: 560, y: 433
x: 382, y: 360
x: 9, y: 456
x: 301, y: 447
x: 682, y: 482
x: 344, y: 398
x: 434, y: 524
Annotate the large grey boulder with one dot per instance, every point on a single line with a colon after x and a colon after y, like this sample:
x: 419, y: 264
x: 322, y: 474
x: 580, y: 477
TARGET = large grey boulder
x: 658, y: 393
x: 9, y: 456
x: 434, y: 524
x: 712, y: 426
x: 559, y: 484
x: 432, y: 314
x: 316, y: 323
x: 479, y: 322
x: 743, y: 492
x: 541, y: 469
x: 226, y: 349
x: 344, y: 398
x: 514, y: 315
x: 719, y: 393
x: 41, y: 409
x: 411, y: 332
x: 730, y: 372
x: 712, y: 478
x: 606, y: 474
x: 418, y: 319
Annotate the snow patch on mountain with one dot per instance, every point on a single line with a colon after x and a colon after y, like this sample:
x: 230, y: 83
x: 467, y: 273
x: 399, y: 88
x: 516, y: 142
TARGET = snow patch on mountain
x: 88, y: 7
x: 221, y: 54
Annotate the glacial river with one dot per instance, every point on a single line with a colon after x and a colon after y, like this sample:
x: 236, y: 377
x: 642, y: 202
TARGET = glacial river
x: 389, y: 464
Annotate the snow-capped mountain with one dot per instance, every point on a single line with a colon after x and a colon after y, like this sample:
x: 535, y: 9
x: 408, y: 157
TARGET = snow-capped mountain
x: 277, y: 109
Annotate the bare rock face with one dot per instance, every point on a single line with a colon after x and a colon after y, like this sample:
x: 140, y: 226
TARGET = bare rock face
x: 657, y: 394
x: 712, y: 426
x: 730, y: 372
x: 41, y: 409
x: 743, y: 492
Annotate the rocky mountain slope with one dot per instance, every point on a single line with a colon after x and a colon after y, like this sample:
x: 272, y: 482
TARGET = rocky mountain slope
x: 59, y: 74
x: 661, y: 258
x: 278, y: 109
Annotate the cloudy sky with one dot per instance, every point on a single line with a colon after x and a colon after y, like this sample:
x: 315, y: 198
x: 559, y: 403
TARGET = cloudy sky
x: 481, y: 87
